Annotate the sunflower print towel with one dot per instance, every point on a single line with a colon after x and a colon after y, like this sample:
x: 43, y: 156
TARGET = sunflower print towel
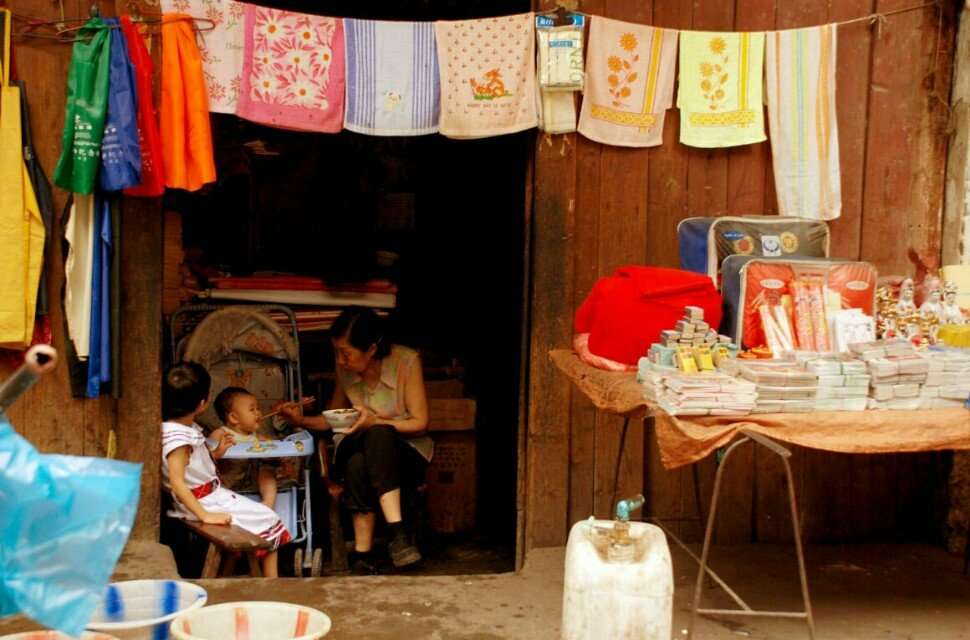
x: 720, y: 89
x: 629, y: 84
x: 293, y: 70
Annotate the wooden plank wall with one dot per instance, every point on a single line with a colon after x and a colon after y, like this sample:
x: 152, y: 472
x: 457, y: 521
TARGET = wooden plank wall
x: 47, y: 415
x: 598, y: 207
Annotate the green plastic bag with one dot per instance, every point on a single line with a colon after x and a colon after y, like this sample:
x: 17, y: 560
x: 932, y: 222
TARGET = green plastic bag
x: 87, y: 105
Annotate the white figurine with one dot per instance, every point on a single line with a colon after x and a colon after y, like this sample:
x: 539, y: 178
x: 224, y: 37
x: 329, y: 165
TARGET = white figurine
x: 951, y: 312
x: 933, y: 306
x: 907, y: 291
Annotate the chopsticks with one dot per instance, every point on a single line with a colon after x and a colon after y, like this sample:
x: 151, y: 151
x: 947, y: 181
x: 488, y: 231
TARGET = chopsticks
x: 305, y: 401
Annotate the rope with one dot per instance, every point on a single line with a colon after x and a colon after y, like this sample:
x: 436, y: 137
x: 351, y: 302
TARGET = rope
x: 879, y: 18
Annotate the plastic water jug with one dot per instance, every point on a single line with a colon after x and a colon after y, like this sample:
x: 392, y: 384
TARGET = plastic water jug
x: 619, y: 581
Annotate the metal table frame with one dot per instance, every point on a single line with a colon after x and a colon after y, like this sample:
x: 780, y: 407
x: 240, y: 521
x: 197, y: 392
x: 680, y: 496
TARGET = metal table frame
x: 745, y: 610
x: 704, y: 569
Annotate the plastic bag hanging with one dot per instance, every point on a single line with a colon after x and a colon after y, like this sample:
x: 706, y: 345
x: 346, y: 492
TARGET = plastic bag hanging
x: 21, y: 226
x: 64, y: 521
x: 152, y: 181
x: 561, y: 53
x: 87, y: 105
x: 120, y: 152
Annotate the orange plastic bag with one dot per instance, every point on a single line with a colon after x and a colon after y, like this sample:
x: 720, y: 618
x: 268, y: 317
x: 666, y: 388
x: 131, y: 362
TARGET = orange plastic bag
x: 186, y: 131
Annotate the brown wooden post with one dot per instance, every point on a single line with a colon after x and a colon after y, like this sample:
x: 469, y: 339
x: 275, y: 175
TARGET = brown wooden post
x: 956, y: 214
x: 139, y: 409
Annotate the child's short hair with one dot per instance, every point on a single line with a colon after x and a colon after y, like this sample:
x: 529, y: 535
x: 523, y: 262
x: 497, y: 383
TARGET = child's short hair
x: 185, y: 385
x: 225, y: 399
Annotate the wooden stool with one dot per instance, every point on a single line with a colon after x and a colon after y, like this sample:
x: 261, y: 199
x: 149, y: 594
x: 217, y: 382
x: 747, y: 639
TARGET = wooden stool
x: 228, y: 538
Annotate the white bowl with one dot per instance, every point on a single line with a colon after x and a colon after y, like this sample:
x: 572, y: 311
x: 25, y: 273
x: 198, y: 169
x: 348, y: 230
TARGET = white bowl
x: 260, y: 620
x: 56, y: 635
x: 143, y: 609
x: 341, y: 419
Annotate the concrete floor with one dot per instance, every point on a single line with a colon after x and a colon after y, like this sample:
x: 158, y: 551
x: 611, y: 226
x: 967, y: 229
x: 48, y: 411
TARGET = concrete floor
x: 891, y: 592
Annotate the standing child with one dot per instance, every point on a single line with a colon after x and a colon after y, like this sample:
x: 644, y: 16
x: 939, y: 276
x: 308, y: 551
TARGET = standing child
x: 189, y: 472
x: 240, y: 415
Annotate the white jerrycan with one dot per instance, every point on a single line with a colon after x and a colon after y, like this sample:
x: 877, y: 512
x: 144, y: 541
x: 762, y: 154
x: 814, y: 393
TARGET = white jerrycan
x: 619, y: 580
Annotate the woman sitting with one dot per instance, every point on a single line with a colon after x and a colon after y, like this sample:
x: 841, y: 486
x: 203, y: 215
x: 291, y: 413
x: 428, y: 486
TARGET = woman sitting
x: 385, y: 383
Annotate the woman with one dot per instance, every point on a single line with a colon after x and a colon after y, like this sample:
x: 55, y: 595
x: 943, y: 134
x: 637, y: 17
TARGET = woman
x: 385, y: 383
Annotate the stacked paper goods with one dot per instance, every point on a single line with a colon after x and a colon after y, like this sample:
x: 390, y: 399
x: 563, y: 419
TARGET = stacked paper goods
x: 906, y: 380
x: 842, y: 383
x: 692, y: 345
x: 948, y: 379
x: 651, y: 376
x: 708, y: 394
x: 782, y: 386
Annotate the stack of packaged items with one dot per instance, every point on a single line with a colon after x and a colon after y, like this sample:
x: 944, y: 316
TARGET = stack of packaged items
x: 948, y: 379
x: 842, y: 383
x: 903, y: 379
x: 782, y: 386
x: 692, y: 346
x: 710, y: 394
x: 897, y: 373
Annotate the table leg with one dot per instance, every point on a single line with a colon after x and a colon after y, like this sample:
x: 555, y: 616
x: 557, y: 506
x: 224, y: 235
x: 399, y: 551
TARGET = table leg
x: 695, y: 473
x: 745, y: 610
x: 619, y: 459
x: 966, y: 555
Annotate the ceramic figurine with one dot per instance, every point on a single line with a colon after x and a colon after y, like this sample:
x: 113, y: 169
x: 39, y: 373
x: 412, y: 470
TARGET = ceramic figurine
x: 950, y: 311
x: 932, y: 308
x: 905, y: 305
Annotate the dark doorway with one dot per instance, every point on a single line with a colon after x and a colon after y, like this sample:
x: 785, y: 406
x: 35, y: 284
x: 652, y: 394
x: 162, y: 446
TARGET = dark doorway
x: 443, y: 219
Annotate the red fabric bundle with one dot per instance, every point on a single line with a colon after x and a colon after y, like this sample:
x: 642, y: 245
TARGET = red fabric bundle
x: 625, y: 313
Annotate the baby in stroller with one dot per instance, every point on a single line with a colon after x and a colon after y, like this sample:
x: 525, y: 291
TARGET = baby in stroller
x: 239, y: 412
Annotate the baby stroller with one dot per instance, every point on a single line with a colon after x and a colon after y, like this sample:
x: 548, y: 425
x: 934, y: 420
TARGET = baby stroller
x: 246, y: 346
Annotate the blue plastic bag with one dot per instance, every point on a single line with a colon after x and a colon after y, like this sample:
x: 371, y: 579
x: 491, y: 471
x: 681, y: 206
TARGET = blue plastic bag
x: 64, y: 521
x: 120, y: 147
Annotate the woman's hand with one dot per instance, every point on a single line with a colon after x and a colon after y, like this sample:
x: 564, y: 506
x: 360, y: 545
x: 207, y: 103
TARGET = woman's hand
x: 366, y: 420
x: 292, y: 412
x: 334, y: 489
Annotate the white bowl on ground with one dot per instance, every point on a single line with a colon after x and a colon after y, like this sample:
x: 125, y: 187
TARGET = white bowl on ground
x: 262, y: 620
x: 143, y: 609
x: 341, y: 419
x: 56, y: 635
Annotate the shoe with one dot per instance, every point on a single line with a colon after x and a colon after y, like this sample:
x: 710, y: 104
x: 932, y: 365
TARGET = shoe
x: 364, y: 564
x: 402, y: 552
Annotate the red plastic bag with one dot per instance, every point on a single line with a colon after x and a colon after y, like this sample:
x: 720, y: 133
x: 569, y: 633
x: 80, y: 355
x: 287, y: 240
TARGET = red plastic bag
x: 152, y: 178
x: 625, y: 313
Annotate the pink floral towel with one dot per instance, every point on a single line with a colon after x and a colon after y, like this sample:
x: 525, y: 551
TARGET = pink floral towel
x: 221, y: 48
x: 293, y: 70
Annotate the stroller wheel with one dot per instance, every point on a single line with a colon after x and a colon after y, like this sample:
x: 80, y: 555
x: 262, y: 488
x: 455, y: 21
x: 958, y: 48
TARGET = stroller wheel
x: 316, y: 567
x: 298, y: 563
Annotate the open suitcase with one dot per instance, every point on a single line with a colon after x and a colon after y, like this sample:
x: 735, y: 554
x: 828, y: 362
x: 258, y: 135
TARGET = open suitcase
x: 706, y: 242
x: 748, y: 280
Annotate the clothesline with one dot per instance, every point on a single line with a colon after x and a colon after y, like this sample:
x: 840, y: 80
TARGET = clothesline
x: 877, y: 17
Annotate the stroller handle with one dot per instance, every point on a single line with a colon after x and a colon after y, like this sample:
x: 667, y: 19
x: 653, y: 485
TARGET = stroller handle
x: 38, y: 360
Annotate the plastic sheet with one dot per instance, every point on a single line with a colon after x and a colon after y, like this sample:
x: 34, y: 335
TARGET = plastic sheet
x: 64, y: 521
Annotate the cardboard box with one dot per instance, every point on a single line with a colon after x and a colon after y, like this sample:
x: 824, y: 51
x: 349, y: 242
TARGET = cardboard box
x: 451, y: 476
x: 452, y: 388
x: 451, y: 482
x: 451, y: 414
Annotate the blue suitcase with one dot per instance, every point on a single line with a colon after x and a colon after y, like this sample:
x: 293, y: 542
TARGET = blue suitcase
x: 705, y: 242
